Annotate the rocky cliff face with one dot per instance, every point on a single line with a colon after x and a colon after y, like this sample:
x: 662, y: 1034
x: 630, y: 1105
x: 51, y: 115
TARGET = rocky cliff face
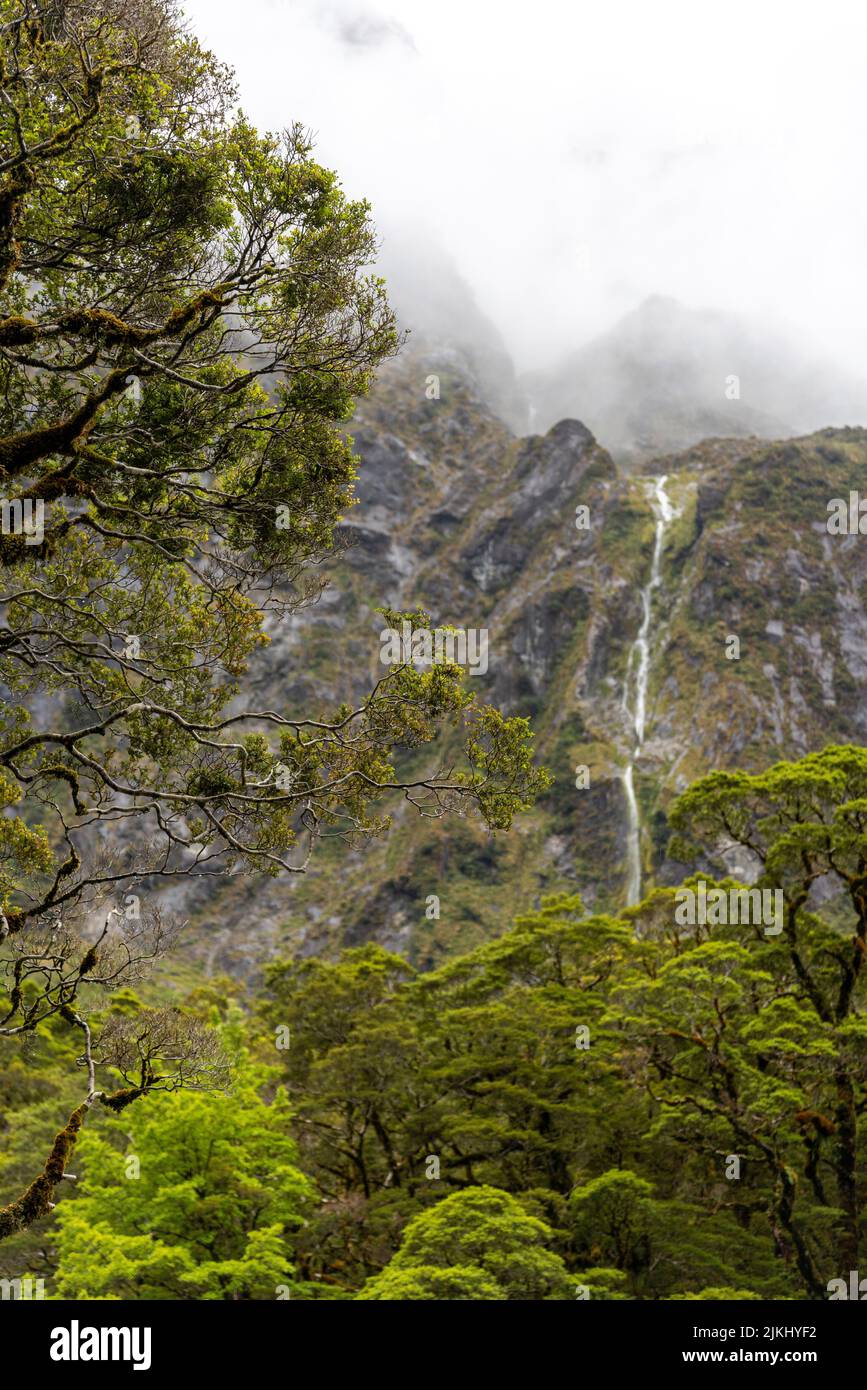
x: 460, y: 517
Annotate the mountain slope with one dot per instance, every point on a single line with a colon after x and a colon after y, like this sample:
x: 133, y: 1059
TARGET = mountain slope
x: 458, y: 516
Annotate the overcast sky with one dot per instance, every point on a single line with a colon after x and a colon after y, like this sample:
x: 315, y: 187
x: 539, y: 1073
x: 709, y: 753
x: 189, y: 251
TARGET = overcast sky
x: 575, y: 157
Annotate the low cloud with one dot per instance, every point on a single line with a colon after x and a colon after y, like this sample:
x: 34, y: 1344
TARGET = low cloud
x: 574, y: 161
x: 366, y: 31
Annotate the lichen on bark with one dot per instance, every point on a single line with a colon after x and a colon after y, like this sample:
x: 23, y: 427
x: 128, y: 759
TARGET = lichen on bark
x: 36, y: 1201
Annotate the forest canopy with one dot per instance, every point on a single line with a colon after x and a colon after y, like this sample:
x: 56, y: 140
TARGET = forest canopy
x: 590, y: 1106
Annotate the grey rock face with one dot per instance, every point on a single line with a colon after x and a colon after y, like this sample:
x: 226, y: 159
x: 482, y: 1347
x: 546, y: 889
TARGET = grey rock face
x: 460, y: 517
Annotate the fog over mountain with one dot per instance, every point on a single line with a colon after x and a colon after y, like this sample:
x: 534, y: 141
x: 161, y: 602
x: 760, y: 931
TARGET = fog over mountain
x: 574, y: 167
x: 665, y: 377
x: 437, y: 310
x: 662, y: 378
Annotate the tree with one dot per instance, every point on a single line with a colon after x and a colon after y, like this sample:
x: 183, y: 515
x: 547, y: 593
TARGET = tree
x: 658, y: 1240
x: 757, y: 1044
x: 407, y: 1085
x: 687, y: 1143
x: 478, y: 1239
x: 475, y: 1063
x: 160, y: 1049
x: 185, y: 322
x: 465, y: 1284
x: 195, y: 1198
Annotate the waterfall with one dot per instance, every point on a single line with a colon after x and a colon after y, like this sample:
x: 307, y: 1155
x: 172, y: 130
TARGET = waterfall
x: 635, y: 692
x: 633, y: 840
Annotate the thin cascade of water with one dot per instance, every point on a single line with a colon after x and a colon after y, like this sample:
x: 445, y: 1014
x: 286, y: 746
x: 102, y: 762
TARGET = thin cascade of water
x: 636, y: 707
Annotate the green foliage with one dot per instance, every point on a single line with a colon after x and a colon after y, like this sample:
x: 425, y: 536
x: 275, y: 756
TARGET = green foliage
x: 619, y: 1108
x: 709, y: 1135
x: 197, y: 1196
x: 475, y: 1244
x: 456, y: 1283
